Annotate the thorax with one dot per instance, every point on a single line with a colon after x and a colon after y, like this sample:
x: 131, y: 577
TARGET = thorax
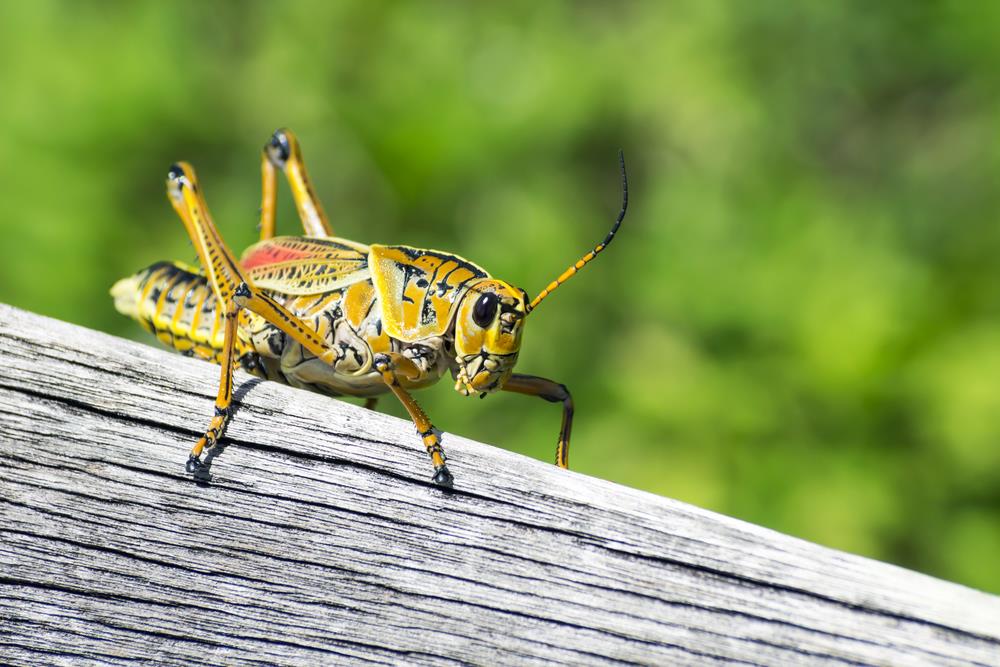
x: 350, y: 320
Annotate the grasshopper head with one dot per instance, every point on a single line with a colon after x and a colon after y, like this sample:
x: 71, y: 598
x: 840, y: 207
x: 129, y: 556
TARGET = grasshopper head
x: 491, y: 317
x: 488, y: 335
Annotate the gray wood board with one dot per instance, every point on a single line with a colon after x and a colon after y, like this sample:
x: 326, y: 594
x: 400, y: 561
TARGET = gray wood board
x: 319, y: 539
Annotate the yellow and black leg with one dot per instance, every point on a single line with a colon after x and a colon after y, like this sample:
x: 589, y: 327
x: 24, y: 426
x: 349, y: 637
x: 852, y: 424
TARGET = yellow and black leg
x: 233, y: 291
x: 224, y: 399
x: 268, y: 195
x: 554, y: 393
x: 223, y: 273
x: 283, y: 152
x: 393, y: 366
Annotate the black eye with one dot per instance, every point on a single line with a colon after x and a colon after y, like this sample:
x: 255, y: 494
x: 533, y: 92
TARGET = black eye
x: 485, y: 309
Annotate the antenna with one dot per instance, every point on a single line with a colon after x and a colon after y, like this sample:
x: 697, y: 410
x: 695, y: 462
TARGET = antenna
x: 586, y: 259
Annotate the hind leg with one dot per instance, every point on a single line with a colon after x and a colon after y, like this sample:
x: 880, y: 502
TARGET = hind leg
x: 224, y: 398
x: 283, y: 152
x: 233, y: 290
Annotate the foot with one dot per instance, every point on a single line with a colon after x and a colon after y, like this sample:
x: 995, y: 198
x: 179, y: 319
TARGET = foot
x: 442, y: 477
x: 194, y: 464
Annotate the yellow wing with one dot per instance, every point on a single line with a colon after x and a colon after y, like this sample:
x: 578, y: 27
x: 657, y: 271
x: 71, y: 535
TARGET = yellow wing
x: 305, y: 265
x: 419, y: 289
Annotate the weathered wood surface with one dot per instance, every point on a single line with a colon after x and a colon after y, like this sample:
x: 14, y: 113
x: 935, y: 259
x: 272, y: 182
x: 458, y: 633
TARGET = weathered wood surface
x: 320, y: 540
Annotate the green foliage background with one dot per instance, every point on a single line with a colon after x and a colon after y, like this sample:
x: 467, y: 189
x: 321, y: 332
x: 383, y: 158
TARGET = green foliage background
x: 799, y: 324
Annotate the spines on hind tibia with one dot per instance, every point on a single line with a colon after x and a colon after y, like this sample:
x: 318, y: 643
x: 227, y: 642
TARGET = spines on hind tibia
x: 175, y: 302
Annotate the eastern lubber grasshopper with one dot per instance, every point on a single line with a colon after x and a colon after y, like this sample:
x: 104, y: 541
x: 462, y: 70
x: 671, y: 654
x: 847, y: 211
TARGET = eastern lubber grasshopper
x: 335, y: 316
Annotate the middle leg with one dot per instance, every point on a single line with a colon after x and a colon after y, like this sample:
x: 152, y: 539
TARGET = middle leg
x: 394, y: 366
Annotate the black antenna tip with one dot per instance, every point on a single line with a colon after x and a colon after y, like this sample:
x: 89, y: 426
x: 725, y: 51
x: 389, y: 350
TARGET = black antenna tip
x: 621, y: 161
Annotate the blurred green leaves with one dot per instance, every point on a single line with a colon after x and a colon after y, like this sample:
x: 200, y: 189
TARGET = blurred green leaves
x: 799, y: 323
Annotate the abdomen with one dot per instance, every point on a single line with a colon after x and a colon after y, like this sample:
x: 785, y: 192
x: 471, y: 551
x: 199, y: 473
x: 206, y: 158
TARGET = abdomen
x: 176, y: 304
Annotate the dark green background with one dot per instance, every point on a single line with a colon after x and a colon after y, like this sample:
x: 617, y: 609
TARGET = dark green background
x: 799, y: 324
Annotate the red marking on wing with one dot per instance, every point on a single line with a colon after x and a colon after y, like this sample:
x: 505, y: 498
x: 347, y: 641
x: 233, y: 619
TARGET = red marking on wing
x: 270, y: 254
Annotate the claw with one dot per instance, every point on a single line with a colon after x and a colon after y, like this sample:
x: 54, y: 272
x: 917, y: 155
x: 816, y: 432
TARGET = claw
x: 194, y: 464
x: 442, y: 477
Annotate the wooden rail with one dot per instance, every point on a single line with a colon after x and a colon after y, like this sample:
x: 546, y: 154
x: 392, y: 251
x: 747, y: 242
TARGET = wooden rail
x: 319, y: 539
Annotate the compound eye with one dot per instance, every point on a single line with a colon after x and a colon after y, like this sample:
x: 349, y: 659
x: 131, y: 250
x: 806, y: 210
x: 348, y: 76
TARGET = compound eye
x: 485, y: 309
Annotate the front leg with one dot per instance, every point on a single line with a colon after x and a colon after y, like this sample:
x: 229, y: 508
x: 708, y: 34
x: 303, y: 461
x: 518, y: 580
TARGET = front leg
x: 393, y: 366
x: 554, y: 393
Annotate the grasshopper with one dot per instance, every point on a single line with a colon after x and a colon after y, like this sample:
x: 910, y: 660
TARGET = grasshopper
x: 334, y: 316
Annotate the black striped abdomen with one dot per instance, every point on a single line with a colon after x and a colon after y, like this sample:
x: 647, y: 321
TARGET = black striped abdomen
x: 176, y: 303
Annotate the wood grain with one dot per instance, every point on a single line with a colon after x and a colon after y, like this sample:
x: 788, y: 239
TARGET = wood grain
x: 319, y: 539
